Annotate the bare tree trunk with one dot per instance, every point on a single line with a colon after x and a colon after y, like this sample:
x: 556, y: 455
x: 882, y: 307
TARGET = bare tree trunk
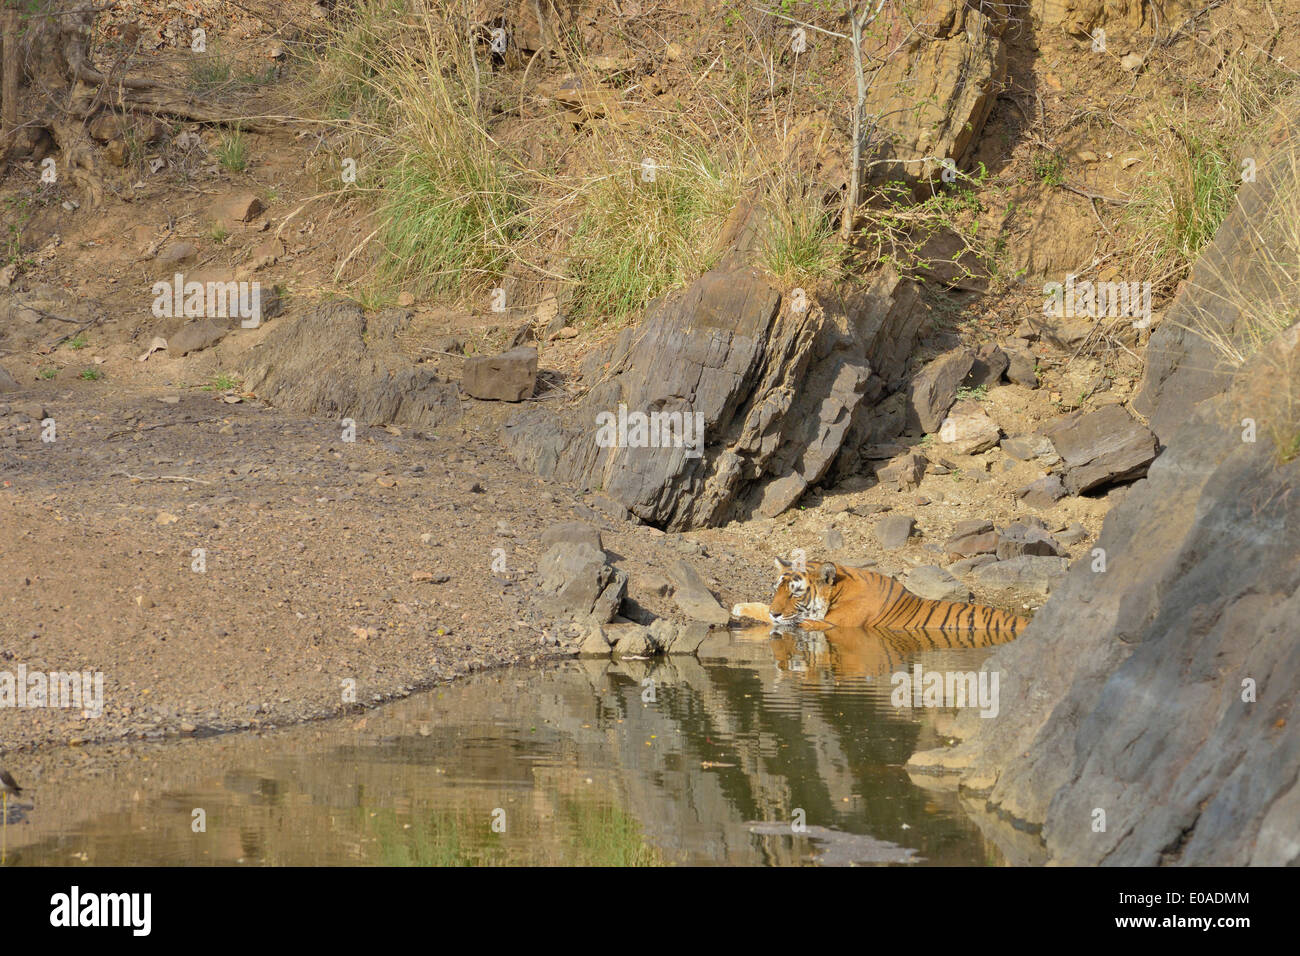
x: 857, y: 23
x: 855, y: 174
x: 9, y: 81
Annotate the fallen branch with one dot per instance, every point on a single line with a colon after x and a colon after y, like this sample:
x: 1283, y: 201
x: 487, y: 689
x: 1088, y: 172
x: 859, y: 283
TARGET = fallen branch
x: 149, y: 428
x: 197, y: 481
x: 1095, y: 196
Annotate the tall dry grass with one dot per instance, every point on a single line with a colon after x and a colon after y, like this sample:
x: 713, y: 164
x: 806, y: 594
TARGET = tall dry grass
x: 460, y: 201
x: 1251, y: 296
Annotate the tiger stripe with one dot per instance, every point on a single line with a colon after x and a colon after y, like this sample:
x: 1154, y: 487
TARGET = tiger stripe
x: 837, y: 596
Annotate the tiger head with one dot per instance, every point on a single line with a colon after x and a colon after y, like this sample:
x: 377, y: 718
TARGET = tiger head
x: 800, y: 595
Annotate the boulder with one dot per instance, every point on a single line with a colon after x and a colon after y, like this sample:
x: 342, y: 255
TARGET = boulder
x: 967, y: 545
x: 689, y: 638
x: 196, y: 335
x: 1022, y: 366
x: 968, y: 430
x: 1028, y: 574
x: 934, y: 389
x: 337, y: 363
x: 1162, y: 688
x: 646, y: 597
x: 508, y: 377
x: 893, y: 531
x: 693, y: 596
x: 1017, y: 539
x: 951, y: 70
x: 1073, y: 534
x: 936, y: 584
x: 663, y: 634
x: 1043, y: 492
x: 1100, y: 447
x: 905, y: 471
x: 883, y: 451
x: 1030, y: 448
x: 988, y: 368
x: 7, y: 382
x: 595, y: 643
x: 579, y: 583
x: 1237, y: 279
x: 574, y: 532
x: 874, y: 428
x: 241, y: 207
x: 635, y: 641
x: 966, y: 565
x: 609, y: 508
x: 1080, y: 17
x: 655, y: 584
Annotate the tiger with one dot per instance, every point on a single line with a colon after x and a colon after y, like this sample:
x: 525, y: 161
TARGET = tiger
x: 837, y: 596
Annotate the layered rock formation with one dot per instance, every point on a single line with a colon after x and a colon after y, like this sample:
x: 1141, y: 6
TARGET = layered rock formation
x: 1080, y: 17
x: 945, y: 63
x: 760, y: 396
x: 1147, y: 715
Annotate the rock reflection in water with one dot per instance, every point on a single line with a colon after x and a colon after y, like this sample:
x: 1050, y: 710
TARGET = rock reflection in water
x: 591, y: 762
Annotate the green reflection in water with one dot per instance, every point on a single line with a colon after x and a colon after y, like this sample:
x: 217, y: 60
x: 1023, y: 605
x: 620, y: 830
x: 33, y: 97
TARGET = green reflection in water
x: 591, y: 763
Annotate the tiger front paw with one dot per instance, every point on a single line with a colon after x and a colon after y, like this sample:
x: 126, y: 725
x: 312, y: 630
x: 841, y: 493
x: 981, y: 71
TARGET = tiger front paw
x: 814, y: 626
x: 751, y: 610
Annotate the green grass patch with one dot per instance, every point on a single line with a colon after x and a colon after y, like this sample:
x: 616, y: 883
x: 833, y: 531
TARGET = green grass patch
x: 799, y: 244
x: 222, y: 383
x: 345, y: 80
x: 1049, y: 167
x: 232, y: 151
x: 451, y: 212
x: 208, y: 71
x: 638, y: 238
x: 1187, y: 201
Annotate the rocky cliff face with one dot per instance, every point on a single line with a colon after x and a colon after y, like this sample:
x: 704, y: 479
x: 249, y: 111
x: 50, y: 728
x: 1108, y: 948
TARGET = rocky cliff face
x: 768, y: 389
x: 1147, y: 714
x: 950, y: 67
x: 1238, y: 275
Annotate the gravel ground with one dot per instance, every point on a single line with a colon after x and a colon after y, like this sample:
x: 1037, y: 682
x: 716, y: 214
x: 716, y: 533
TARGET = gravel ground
x: 324, y: 562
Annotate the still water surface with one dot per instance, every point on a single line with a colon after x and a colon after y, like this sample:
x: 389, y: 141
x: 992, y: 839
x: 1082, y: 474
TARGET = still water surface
x: 684, y: 761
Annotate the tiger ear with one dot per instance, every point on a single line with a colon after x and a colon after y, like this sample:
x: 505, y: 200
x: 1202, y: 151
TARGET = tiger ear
x: 827, y: 573
x: 783, y: 565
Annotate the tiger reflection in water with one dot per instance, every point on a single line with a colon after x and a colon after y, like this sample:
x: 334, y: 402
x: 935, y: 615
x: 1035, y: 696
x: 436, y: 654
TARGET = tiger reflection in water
x: 860, y: 652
